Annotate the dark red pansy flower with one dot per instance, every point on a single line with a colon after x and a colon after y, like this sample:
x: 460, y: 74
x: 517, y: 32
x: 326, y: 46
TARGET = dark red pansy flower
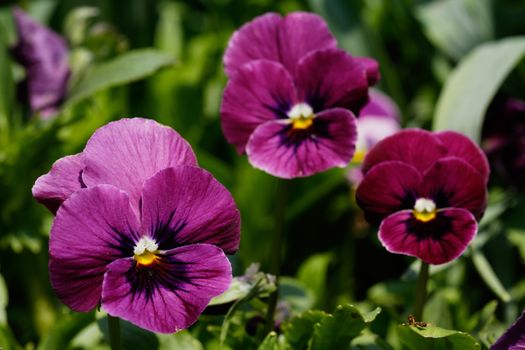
x: 428, y: 190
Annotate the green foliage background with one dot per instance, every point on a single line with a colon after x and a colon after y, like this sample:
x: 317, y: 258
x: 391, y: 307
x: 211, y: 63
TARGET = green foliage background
x: 442, y: 61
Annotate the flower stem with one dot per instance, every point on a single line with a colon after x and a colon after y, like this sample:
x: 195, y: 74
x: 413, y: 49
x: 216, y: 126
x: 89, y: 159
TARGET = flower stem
x: 114, y: 333
x: 276, y: 250
x: 421, y: 291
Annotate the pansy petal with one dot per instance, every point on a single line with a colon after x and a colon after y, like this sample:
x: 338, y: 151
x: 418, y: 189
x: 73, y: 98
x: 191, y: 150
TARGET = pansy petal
x: 462, y: 147
x: 513, y: 338
x: 127, y: 152
x: 380, y: 105
x: 372, y: 69
x: 92, y: 228
x: 452, y: 182
x: 372, y: 129
x: 416, y: 147
x: 64, y: 178
x: 255, y: 40
x: 332, y: 78
x: 387, y: 188
x: 44, y: 55
x: 270, y: 37
x: 301, y: 33
x: 186, y: 205
x: 438, y: 241
x: 260, y: 91
x: 281, y: 151
x: 170, y: 294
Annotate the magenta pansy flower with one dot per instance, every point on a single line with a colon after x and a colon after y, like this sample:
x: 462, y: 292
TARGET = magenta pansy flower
x: 513, y: 338
x: 140, y: 230
x: 124, y: 153
x: 428, y: 190
x: 291, y: 100
x: 45, y: 56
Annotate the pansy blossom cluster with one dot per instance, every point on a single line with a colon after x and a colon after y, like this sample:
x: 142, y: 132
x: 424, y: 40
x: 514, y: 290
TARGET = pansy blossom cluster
x: 292, y: 95
x: 140, y: 229
x: 428, y: 190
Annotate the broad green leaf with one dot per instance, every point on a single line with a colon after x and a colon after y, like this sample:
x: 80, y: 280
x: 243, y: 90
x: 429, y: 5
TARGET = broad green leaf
x: 313, y: 273
x: 473, y: 83
x: 457, y: 26
x: 335, y: 332
x: 435, y: 338
x: 299, y: 329
x: 488, y: 275
x: 126, y: 68
x: 369, y: 317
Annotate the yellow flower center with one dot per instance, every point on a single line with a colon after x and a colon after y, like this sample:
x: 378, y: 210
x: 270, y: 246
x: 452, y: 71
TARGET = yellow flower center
x: 359, y: 156
x: 424, y: 209
x: 302, y: 116
x: 145, y: 252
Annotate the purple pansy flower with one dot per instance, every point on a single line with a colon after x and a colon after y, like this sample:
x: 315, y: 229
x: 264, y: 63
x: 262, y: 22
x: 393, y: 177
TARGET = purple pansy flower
x: 157, y: 268
x: 124, y: 153
x: 428, y: 190
x: 44, y: 55
x: 378, y: 119
x: 139, y: 228
x: 513, y: 338
x: 292, y: 95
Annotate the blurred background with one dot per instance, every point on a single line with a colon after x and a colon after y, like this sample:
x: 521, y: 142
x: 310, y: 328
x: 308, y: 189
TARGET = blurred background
x: 332, y: 256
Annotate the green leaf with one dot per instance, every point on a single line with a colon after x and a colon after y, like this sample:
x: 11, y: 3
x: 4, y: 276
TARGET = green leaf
x: 369, y: 317
x: 126, y: 68
x: 435, y: 338
x: 337, y: 330
x: 299, y: 329
x: 470, y: 88
x: 3, y: 301
x: 457, y: 26
x: 489, y: 276
x: 313, y: 273
x: 517, y: 237
x: 6, y: 86
x: 369, y: 341
x: 296, y: 294
x: 132, y: 337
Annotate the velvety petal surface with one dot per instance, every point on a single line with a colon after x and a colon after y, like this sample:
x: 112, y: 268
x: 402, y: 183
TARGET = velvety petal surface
x: 92, y: 228
x: 273, y: 38
x: 332, y: 78
x: 186, y: 205
x: 260, y: 91
x: 64, y: 178
x: 170, y: 294
x: 387, y: 188
x: 301, y: 33
x: 452, y: 182
x: 513, y: 338
x: 460, y: 146
x: 281, y: 151
x: 126, y: 152
x: 416, y: 147
x: 44, y: 55
x: 438, y: 241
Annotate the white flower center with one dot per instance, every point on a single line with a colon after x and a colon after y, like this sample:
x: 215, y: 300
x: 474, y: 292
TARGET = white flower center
x: 424, y: 209
x: 145, y: 244
x: 301, y: 115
